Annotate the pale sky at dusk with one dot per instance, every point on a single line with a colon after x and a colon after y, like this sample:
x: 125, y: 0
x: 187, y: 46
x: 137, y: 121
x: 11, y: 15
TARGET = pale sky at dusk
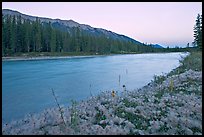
x: 166, y: 23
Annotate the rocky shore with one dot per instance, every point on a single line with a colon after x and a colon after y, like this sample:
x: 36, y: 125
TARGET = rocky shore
x: 172, y: 106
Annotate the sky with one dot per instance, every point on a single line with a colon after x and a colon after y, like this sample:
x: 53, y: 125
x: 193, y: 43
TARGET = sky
x: 165, y: 23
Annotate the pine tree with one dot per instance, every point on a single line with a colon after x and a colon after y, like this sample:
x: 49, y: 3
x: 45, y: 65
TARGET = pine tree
x: 18, y: 34
x: 77, y: 39
x: 48, y: 37
x: 13, y: 35
x: 66, y: 42
x: 53, y: 40
x: 8, y: 35
x: 23, y: 34
x: 27, y: 35
x: 3, y: 37
x: 38, y: 35
x: 198, y: 32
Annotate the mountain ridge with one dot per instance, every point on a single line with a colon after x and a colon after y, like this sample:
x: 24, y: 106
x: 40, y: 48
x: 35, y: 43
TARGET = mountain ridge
x: 157, y: 46
x: 68, y: 24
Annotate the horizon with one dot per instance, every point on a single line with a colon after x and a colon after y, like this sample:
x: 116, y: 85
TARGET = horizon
x: 177, y: 33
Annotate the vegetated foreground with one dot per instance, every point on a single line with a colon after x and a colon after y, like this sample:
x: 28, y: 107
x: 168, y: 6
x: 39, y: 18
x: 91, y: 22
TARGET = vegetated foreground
x: 170, y: 104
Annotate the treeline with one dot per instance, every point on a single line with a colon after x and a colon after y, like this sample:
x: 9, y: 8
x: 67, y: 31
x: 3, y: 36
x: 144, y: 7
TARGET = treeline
x: 23, y: 36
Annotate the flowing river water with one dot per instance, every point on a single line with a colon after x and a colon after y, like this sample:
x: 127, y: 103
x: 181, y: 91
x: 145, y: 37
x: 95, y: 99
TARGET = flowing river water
x: 26, y: 85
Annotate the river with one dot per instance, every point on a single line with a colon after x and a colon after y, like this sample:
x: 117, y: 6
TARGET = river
x: 26, y: 85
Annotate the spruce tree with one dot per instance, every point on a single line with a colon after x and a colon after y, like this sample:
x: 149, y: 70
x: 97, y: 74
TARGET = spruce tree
x: 13, y: 35
x: 198, y: 32
x: 53, y: 40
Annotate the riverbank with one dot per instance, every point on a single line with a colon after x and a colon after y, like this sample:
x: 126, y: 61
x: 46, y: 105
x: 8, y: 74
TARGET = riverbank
x: 170, y: 104
x: 44, y: 57
x: 51, y: 56
x: 47, y: 55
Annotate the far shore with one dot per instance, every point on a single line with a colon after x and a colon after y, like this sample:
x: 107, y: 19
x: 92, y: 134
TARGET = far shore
x: 25, y: 58
x: 45, y: 57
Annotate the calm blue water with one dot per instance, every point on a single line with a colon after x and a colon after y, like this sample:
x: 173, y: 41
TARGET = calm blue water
x: 26, y: 85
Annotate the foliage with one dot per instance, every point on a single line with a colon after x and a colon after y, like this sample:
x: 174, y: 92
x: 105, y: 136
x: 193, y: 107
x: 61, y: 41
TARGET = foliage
x: 129, y: 104
x: 171, y: 85
x: 136, y: 119
x: 74, y: 115
x: 159, y: 94
x: 163, y: 128
x: 159, y: 79
x: 98, y: 117
x: 25, y: 36
x: 198, y: 32
x: 193, y: 61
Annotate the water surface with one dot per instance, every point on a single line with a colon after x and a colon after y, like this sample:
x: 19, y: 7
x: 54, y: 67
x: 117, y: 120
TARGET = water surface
x: 26, y: 85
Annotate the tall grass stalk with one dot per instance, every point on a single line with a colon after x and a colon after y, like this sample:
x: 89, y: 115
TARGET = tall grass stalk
x: 119, y: 80
x: 60, y: 109
x: 90, y: 90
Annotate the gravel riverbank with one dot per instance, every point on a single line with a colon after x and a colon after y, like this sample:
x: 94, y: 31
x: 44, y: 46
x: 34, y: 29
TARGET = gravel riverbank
x: 45, y: 57
x: 172, y: 106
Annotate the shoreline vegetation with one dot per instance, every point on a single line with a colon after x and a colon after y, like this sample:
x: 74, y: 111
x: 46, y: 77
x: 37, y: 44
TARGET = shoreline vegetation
x: 169, y: 105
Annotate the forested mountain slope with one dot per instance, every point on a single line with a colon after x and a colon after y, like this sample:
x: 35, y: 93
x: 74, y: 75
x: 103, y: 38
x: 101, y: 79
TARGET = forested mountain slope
x: 23, y: 33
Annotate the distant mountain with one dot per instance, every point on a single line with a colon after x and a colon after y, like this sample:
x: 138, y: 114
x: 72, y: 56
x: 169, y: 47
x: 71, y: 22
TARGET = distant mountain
x: 157, y: 46
x: 67, y: 25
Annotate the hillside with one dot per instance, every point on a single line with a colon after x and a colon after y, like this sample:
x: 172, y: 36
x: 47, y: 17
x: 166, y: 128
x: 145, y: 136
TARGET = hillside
x: 25, y: 35
x: 66, y: 25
